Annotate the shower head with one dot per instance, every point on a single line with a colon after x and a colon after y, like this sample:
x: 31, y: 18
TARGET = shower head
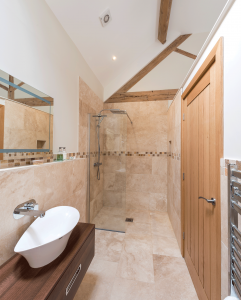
x: 115, y: 111
x: 118, y: 111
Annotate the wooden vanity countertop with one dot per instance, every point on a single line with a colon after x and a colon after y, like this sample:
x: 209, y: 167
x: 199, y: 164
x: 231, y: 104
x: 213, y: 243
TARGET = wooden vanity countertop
x: 21, y: 282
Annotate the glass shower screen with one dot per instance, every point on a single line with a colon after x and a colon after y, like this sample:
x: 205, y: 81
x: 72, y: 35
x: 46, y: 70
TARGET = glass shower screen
x: 107, y: 170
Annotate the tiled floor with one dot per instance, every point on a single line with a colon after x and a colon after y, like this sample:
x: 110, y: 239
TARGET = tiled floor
x: 112, y: 218
x: 142, y: 264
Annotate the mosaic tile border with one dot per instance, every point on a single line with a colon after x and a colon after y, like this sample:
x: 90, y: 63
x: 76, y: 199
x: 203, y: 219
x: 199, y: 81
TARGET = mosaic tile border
x: 176, y: 156
x: 132, y: 153
x: 38, y: 159
x: 125, y: 153
x: 19, y: 155
x: 42, y: 157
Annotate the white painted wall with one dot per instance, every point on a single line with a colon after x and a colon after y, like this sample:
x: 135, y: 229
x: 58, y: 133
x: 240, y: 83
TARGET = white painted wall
x: 230, y: 30
x: 36, y: 49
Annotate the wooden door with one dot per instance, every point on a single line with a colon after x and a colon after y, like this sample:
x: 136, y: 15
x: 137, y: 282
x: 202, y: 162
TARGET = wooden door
x: 202, y: 150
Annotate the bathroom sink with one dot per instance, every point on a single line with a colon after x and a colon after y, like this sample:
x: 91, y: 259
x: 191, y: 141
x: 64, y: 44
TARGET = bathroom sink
x: 46, y: 238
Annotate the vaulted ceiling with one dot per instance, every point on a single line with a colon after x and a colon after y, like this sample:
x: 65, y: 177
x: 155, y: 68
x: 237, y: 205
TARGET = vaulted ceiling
x: 132, y: 35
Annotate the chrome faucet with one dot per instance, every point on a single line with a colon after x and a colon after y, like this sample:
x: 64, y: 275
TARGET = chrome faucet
x: 28, y: 208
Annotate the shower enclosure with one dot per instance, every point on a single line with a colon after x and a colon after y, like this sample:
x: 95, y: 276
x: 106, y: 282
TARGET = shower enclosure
x: 107, y: 134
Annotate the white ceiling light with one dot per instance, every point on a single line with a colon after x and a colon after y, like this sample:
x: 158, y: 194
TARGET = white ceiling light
x: 105, y: 18
x: 114, y: 57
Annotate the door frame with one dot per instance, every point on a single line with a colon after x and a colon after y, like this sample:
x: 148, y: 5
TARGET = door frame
x: 215, y: 56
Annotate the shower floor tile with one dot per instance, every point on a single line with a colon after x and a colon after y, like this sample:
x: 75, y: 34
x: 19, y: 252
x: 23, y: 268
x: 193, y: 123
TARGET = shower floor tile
x: 143, y: 263
x: 110, y: 218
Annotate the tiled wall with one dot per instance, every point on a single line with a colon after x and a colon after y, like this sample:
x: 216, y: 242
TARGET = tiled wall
x: 90, y: 103
x: 224, y: 229
x: 146, y: 155
x: 17, y: 159
x: 24, y: 125
x: 53, y: 184
x: 174, y: 166
x: 114, y: 159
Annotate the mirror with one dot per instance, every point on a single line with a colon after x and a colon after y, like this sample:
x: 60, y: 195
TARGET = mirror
x: 26, y: 123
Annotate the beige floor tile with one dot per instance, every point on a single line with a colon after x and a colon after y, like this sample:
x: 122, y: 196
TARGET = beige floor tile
x: 160, y: 218
x: 101, y: 271
x: 140, y: 232
x: 93, y: 291
x: 142, y: 238
x: 160, y: 230
x: 112, y: 210
x: 125, y: 289
x: 165, y: 246
x: 136, y: 262
x: 98, y: 281
x: 139, y: 216
x: 172, y: 279
x: 138, y: 228
x: 108, y: 245
x: 110, y: 218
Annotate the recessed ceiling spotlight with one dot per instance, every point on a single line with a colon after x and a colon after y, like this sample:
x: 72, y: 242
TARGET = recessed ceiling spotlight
x: 114, y: 57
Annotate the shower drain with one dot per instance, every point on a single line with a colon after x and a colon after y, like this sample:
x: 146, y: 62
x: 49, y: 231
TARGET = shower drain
x: 129, y: 219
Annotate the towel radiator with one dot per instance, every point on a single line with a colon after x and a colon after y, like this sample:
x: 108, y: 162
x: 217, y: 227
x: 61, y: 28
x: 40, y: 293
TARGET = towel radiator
x: 234, y: 234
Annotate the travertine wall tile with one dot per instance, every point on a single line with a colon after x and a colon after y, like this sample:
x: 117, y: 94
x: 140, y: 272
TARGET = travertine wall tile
x: 53, y: 184
x: 146, y: 171
x: 224, y: 209
x: 224, y: 271
x: 90, y: 103
x: 149, y: 129
x: 139, y: 165
x: 174, y: 166
x: 24, y: 125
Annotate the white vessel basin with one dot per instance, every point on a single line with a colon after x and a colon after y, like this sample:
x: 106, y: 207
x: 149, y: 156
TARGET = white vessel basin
x: 47, y: 237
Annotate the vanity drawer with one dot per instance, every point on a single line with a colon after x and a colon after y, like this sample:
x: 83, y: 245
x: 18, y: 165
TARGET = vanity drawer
x: 73, y: 277
x: 18, y: 281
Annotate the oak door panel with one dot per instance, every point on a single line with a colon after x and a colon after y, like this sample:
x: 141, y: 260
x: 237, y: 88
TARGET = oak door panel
x: 202, y: 148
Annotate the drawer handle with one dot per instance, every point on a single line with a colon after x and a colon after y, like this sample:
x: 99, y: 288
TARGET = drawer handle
x: 73, y: 280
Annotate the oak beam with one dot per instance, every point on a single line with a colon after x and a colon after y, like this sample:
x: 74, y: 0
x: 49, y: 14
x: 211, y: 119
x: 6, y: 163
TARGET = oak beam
x: 20, y: 84
x: 186, y: 53
x: 4, y: 87
x: 11, y: 88
x: 165, y: 11
x: 159, y: 58
x: 35, y: 101
x: 143, y: 96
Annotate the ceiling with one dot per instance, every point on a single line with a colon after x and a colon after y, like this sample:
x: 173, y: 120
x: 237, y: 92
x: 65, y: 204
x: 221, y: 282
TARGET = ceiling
x: 132, y: 34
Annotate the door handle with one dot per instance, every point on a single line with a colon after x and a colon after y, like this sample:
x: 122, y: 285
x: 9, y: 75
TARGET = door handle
x: 213, y: 201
